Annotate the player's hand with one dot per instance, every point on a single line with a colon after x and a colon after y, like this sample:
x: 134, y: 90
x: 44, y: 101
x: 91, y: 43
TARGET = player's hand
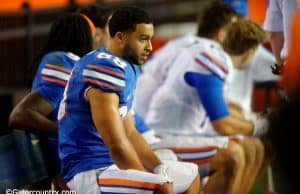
x: 276, y: 69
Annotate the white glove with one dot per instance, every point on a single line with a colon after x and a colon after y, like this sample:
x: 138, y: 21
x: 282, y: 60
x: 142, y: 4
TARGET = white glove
x: 261, y: 125
x: 162, y: 169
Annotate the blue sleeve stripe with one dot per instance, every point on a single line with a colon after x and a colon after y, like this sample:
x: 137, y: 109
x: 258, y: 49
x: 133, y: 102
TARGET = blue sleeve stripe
x: 106, y: 71
x: 105, y: 77
x: 102, y: 84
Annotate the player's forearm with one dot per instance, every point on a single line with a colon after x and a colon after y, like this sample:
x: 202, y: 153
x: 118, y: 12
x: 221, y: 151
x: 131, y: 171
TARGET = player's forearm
x: 125, y: 156
x: 276, y: 41
x: 33, y: 121
x: 235, y: 110
x: 147, y: 156
x: 231, y: 125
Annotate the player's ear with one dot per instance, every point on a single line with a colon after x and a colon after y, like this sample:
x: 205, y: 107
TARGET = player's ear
x: 121, y: 37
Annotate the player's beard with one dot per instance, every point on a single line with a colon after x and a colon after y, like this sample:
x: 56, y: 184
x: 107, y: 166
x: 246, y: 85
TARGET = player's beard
x: 130, y: 55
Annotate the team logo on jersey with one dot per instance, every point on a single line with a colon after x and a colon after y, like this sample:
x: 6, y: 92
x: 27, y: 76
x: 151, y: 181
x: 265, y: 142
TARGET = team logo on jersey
x: 123, y: 110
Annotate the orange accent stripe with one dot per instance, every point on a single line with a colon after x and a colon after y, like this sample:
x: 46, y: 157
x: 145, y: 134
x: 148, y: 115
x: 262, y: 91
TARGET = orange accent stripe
x: 202, y: 149
x: 62, y: 83
x: 199, y: 162
x: 106, y: 70
x: 59, y: 68
x: 126, y: 182
x: 101, y: 84
x: 216, y: 62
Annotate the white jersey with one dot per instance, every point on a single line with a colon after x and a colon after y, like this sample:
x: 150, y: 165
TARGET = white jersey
x: 241, y: 84
x: 155, y: 70
x: 278, y: 19
x: 175, y: 106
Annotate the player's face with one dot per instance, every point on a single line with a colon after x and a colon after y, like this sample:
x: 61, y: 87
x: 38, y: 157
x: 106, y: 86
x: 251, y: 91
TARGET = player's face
x: 138, y: 46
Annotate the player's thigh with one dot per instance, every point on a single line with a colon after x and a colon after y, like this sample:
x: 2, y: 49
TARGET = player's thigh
x: 85, y: 182
x: 182, y: 173
x: 114, y: 180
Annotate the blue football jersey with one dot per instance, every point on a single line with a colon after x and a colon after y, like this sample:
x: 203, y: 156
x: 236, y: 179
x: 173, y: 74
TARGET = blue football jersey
x: 50, y: 80
x: 52, y: 75
x: 80, y: 146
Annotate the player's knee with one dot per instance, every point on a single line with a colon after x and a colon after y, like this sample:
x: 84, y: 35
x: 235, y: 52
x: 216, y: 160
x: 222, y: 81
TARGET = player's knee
x: 250, y: 149
x: 232, y: 162
x: 227, y: 161
x: 260, y: 150
x: 194, y: 169
x: 237, y: 153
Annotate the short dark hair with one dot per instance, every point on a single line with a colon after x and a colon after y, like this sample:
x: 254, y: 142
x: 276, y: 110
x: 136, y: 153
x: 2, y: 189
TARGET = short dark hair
x: 212, y: 16
x: 242, y: 36
x: 126, y: 18
x: 99, y: 14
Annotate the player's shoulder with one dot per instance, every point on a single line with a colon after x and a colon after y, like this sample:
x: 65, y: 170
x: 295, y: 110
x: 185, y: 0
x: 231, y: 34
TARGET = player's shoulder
x: 210, y: 56
x: 103, y: 58
x: 60, y: 59
x: 61, y: 55
x: 213, y: 49
x: 102, y: 65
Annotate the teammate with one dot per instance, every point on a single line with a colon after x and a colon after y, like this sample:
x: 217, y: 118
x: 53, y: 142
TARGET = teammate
x: 201, y: 151
x: 70, y: 37
x: 290, y: 77
x: 241, y: 84
x: 99, y: 147
x: 156, y: 69
x: 202, y: 76
x: 278, y: 23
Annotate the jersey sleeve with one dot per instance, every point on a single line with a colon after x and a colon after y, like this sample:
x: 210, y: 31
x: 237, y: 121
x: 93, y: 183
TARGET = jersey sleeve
x: 106, y: 77
x: 53, y: 71
x: 212, y: 65
x: 52, y: 77
x: 52, y: 94
x: 140, y: 124
x: 210, y: 92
